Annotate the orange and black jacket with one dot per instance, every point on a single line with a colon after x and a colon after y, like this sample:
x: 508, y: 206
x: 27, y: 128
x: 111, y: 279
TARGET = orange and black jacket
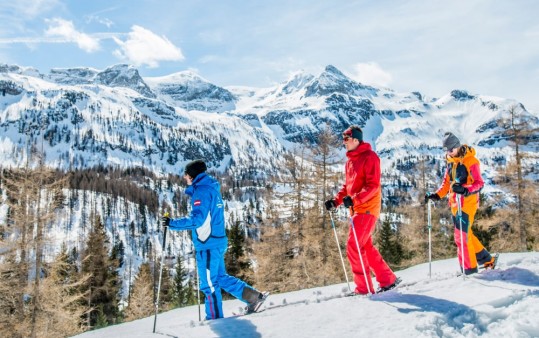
x: 466, y: 171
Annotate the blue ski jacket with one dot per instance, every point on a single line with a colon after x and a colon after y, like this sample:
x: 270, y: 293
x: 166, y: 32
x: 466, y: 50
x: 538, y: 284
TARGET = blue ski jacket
x: 207, y: 218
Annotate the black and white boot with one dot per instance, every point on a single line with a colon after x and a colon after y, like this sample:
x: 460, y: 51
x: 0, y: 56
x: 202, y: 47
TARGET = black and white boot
x: 255, y: 305
x: 389, y: 287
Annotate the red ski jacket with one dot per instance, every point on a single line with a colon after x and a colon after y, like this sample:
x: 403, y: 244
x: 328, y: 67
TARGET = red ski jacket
x: 362, y: 171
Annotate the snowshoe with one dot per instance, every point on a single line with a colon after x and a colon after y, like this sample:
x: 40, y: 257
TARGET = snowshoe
x: 255, y: 306
x: 389, y: 287
x: 492, y: 264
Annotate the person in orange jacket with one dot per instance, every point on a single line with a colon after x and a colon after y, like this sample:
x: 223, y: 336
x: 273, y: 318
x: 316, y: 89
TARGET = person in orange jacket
x: 362, y: 193
x: 462, y: 182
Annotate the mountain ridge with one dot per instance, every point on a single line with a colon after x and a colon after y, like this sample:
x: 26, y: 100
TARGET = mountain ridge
x: 158, y: 122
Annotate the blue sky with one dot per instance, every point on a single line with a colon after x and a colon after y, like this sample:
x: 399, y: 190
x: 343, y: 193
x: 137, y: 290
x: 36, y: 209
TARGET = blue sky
x: 483, y: 46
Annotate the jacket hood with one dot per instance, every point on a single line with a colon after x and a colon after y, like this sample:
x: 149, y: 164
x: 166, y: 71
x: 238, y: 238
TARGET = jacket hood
x: 470, y: 152
x: 203, y: 179
x: 363, y: 147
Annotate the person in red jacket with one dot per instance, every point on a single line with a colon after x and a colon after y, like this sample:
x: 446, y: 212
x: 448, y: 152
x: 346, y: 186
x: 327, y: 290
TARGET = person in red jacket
x: 362, y: 193
x: 462, y: 182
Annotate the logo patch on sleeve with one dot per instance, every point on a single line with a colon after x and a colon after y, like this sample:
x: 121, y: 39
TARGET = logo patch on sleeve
x: 197, y: 203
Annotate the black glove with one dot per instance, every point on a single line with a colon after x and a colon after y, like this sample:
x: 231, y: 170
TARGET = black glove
x: 330, y: 204
x: 431, y: 196
x: 347, y: 201
x: 459, y: 189
x: 165, y: 221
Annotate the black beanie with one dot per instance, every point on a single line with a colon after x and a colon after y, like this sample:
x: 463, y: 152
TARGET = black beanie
x: 354, y: 132
x: 195, y: 167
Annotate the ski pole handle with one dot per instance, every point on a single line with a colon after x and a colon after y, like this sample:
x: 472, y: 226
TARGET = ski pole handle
x: 165, y: 232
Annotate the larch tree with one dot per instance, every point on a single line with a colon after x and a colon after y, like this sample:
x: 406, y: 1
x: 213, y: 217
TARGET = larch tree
x: 520, y: 129
x: 34, y: 193
x: 62, y: 308
x: 141, y: 302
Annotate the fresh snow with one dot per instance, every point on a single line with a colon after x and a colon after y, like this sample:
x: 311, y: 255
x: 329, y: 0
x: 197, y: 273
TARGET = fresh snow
x: 495, y: 303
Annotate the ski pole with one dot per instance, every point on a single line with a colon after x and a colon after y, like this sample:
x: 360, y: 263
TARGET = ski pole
x: 359, y: 251
x: 160, y: 274
x: 459, y: 213
x: 430, y: 241
x: 340, y: 252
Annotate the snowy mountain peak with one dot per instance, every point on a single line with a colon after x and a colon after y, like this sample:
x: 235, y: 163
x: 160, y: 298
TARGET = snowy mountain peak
x: 297, y: 81
x: 190, y: 91
x: 73, y: 76
x: 30, y: 71
x: 123, y: 75
x: 333, y: 80
x: 332, y: 70
x: 281, y: 116
x: 461, y: 95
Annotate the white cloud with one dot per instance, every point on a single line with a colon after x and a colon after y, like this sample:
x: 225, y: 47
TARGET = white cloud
x: 66, y: 30
x: 145, y: 47
x: 28, y: 9
x: 94, y: 18
x: 371, y: 73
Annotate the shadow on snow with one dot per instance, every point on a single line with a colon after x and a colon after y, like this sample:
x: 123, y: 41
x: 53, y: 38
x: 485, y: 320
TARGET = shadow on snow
x: 454, y: 314
x: 234, y: 327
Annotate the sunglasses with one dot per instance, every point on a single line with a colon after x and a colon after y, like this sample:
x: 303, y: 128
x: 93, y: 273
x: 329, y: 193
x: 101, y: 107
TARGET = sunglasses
x: 346, y: 138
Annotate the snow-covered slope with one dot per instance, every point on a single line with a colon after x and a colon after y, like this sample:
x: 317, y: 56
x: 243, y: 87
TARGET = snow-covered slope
x: 191, y: 92
x: 495, y: 303
x: 113, y: 121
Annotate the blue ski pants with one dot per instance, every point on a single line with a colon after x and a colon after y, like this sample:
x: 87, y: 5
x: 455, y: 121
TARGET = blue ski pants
x: 213, y: 278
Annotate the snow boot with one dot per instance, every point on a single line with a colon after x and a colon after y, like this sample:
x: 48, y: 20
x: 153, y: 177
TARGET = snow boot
x: 492, y: 263
x: 255, y: 302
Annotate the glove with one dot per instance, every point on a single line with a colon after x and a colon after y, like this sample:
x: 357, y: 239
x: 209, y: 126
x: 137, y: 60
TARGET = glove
x: 431, y: 196
x: 330, y: 204
x: 165, y: 221
x: 347, y: 201
x: 459, y: 189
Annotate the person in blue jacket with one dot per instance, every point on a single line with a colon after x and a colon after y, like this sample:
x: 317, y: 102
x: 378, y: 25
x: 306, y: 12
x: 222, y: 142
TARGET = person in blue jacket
x: 207, y: 223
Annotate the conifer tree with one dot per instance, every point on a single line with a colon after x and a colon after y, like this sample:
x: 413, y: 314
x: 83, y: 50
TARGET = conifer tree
x: 141, y: 302
x: 235, y: 261
x: 182, y: 293
x: 33, y: 195
x: 389, y: 244
x: 11, y: 293
x: 165, y: 296
x: 385, y: 241
x: 102, y: 287
x: 62, y: 309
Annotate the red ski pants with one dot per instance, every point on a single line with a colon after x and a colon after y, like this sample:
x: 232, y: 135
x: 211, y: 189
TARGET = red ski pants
x: 372, y: 260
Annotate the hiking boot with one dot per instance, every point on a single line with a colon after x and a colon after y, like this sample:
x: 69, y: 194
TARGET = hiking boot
x: 389, y: 287
x: 255, y: 305
x: 492, y: 263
